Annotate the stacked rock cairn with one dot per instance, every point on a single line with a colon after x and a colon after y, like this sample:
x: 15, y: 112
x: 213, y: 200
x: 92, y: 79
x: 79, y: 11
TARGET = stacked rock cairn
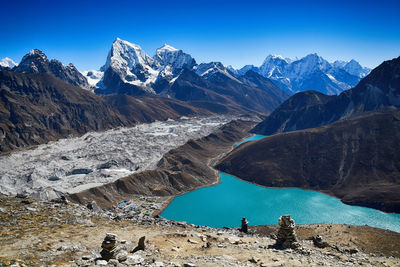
x: 286, y: 237
x: 109, y: 247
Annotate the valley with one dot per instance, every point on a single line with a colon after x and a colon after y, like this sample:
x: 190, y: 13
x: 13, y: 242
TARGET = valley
x: 74, y: 164
x: 176, y: 159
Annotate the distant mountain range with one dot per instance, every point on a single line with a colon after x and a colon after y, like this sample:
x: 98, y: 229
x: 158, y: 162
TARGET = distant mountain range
x: 311, y: 72
x: 171, y: 73
x: 152, y: 74
x: 378, y: 91
x: 128, y: 69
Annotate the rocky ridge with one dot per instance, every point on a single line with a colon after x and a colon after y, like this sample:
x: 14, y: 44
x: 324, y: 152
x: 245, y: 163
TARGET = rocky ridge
x: 37, y: 62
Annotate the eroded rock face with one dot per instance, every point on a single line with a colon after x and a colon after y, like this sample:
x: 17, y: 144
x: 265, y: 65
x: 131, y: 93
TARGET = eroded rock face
x: 287, y: 237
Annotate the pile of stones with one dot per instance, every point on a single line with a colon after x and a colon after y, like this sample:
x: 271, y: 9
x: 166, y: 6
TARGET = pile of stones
x: 109, y: 247
x: 286, y: 237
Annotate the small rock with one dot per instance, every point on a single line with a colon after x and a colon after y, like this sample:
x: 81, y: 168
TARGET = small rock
x: 134, y: 259
x: 93, y: 206
x: 101, y: 263
x: 189, y: 265
x: 353, y: 250
x: 68, y: 248
x: 31, y: 209
x: 318, y: 242
x: 113, y: 262
x: 192, y: 241
x: 159, y: 264
x: 253, y: 260
x: 122, y: 255
x: 86, y: 257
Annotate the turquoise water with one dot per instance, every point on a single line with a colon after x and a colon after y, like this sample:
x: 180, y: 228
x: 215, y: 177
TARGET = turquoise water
x: 255, y: 137
x: 226, y: 203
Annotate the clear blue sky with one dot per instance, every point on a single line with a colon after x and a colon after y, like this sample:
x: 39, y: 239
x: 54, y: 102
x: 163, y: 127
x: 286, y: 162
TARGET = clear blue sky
x: 233, y: 32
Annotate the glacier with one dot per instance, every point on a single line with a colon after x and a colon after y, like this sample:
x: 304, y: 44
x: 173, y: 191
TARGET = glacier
x: 74, y: 164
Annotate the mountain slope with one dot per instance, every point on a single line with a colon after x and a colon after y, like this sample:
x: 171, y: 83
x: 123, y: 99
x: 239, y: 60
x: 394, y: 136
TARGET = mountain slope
x: 149, y: 109
x: 356, y: 160
x: 191, y: 87
x: 36, y: 108
x: 377, y: 92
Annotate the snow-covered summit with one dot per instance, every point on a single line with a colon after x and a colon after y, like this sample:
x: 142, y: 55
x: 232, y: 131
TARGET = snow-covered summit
x: 273, y: 64
x: 167, y: 47
x: 311, y: 72
x: 125, y: 55
x: 177, y: 59
x: 307, y: 65
x: 354, y: 68
x: 7, y: 63
x: 131, y: 64
x: 215, y: 71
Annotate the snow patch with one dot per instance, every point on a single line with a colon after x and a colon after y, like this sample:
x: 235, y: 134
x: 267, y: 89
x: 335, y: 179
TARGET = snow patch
x: 7, y: 63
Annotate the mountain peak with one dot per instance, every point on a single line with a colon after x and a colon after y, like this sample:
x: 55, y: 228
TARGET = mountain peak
x: 124, y: 54
x: 176, y: 58
x: 36, y: 52
x: 275, y: 57
x: 7, y: 63
x: 167, y: 47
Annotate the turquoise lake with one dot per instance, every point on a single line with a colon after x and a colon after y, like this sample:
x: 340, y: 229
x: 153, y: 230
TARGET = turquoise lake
x: 226, y: 203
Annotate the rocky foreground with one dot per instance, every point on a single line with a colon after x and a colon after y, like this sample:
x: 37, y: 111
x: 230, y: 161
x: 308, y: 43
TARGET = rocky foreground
x: 59, y: 233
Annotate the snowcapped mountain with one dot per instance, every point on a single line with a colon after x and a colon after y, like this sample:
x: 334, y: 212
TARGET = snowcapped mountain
x: 172, y: 73
x: 311, y: 72
x: 128, y: 64
x: 7, y: 63
x: 37, y: 62
x: 354, y: 68
x: 130, y: 70
x: 93, y: 76
x: 176, y: 59
x: 215, y: 71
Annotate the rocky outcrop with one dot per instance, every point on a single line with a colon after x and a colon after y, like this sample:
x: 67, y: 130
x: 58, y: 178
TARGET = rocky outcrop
x: 36, y: 62
x: 180, y: 170
x: 355, y: 160
x: 377, y: 92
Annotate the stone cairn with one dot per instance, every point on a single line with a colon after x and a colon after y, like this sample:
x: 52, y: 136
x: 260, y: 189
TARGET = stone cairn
x: 286, y: 237
x: 245, y: 225
x: 109, y: 247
